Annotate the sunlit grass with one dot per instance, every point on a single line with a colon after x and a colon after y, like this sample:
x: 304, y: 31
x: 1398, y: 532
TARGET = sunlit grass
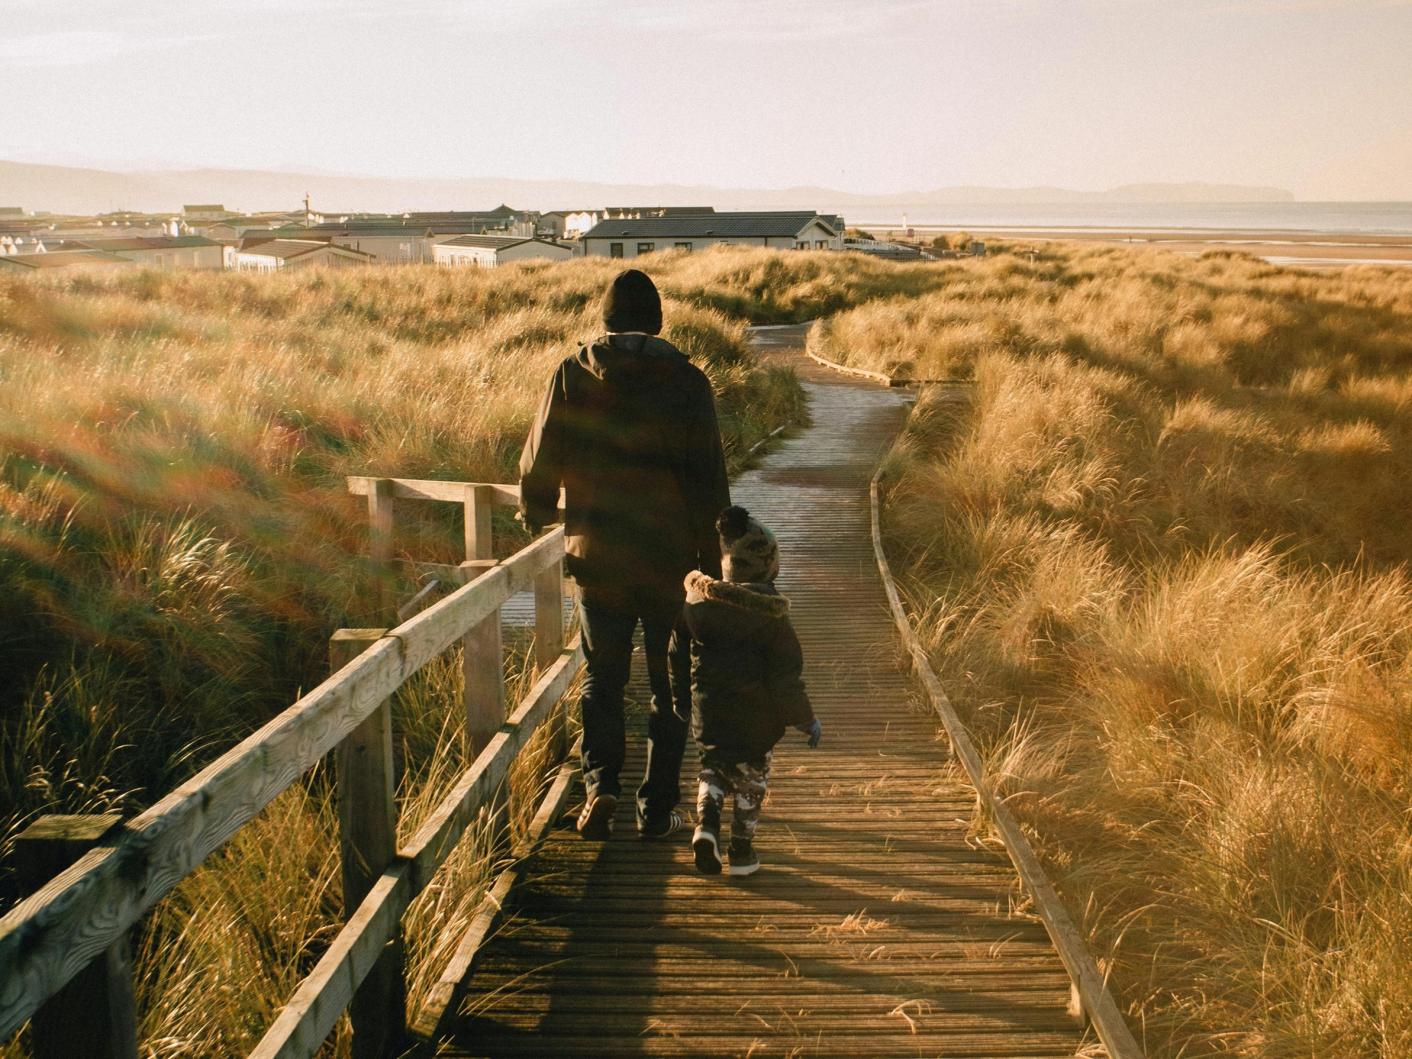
x: 1158, y: 552
x: 176, y: 545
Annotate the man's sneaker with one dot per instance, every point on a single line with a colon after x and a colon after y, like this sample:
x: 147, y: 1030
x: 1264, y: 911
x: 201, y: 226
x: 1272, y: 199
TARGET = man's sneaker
x: 743, y: 859
x: 706, y: 844
x: 662, y: 827
x: 596, y: 820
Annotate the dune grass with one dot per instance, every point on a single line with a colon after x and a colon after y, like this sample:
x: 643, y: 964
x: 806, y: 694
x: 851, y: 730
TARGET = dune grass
x: 176, y: 544
x: 1158, y: 550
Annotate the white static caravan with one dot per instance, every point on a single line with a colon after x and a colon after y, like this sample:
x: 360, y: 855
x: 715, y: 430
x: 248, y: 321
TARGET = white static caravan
x: 489, y: 251
x: 274, y: 254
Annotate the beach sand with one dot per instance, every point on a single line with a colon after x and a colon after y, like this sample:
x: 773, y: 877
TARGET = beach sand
x: 1298, y: 249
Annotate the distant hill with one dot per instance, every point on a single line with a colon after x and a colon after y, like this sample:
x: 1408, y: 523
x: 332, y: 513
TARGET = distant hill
x: 66, y: 189
x: 1126, y: 193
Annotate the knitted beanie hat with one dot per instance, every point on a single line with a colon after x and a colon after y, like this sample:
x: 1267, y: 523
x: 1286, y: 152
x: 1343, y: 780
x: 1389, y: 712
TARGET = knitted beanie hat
x: 631, y: 303
x: 748, y: 549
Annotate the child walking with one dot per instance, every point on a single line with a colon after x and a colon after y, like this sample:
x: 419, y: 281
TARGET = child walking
x: 746, y: 686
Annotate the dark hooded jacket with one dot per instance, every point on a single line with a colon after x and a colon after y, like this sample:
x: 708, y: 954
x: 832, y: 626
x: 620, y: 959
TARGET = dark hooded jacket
x: 628, y: 428
x: 747, y: 683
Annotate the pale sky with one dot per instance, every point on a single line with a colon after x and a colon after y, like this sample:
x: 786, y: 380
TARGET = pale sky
x: 861, y: 95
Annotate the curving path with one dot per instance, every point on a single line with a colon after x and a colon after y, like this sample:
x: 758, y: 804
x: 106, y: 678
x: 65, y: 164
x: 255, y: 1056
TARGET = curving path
x: 875, y: 928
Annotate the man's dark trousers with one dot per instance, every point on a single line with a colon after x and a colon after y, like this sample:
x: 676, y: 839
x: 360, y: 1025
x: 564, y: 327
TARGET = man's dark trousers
x: 608, y: 621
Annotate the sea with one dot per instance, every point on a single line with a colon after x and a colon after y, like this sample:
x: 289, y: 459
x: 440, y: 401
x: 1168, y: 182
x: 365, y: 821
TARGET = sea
x: 1360, y: 218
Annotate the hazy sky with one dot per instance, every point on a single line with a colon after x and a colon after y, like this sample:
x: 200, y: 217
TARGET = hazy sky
x: 862, y: 95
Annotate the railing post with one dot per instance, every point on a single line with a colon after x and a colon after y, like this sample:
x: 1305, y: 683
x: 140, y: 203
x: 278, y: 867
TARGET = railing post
x: 380, y: 509
x: 484, y: 660
x: 94, y: 1014
x: 549, y: 642
x: 549, y: 614
x: 367, y: 818
x: 480, y: 501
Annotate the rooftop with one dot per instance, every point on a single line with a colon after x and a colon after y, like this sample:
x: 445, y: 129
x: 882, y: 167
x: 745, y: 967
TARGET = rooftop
x: 497, y: 242
x: 64, y: 259
x: 499, y: 213
x: 144, y: 242
x: 284, y: 249
x: 375, y: 226
x: 778, y: 224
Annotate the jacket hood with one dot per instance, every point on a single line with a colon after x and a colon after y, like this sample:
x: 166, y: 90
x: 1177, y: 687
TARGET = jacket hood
x: 631, y: 358
x: 755, y: 598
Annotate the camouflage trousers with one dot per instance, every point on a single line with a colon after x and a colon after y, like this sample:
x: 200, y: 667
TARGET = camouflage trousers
x: 747, y: 781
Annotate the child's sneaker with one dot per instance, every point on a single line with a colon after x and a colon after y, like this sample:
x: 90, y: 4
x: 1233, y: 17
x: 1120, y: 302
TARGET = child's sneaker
x: 706, y: 844
x: 743, y: 859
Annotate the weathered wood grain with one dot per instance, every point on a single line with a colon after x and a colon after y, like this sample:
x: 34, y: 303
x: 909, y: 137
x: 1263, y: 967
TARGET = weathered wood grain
x: 52, y: 935
x: 549, y: 614
x: 424, y: 489
x: 367, y: 819
x: 381, y: 512
x: 95, y: 1015
x: 483, y: 677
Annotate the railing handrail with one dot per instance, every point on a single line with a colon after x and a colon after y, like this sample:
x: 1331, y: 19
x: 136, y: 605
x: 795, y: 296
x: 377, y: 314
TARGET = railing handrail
x: 50, y: 936
x: 432, y: 489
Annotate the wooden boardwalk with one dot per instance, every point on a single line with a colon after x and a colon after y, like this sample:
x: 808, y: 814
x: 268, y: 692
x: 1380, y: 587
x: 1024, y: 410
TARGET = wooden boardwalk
x: 874, y: 928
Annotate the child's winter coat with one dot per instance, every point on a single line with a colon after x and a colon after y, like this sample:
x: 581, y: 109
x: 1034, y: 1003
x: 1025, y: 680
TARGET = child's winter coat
x: 747, y: 682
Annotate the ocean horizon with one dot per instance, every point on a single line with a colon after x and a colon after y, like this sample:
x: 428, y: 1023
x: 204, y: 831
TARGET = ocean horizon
x: 1354, y: 218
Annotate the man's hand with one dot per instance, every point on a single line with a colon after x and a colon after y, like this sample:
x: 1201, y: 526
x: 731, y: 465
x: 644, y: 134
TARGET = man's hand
x: 814, y: 730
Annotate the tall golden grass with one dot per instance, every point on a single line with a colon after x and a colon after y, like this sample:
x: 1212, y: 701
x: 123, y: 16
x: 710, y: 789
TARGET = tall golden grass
x: 1159, y: 552
x: 176, y: 544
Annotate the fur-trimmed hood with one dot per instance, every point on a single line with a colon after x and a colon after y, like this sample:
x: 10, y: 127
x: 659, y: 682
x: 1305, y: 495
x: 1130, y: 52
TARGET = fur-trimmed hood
x: 747, y: 669
x: 761, y: 598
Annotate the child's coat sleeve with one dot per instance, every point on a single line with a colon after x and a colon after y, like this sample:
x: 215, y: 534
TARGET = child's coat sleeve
x: 784, y: 671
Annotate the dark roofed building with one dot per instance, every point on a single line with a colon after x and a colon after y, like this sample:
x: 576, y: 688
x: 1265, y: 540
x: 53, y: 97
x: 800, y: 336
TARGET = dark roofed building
x: 208, y: 211
x: 500, y: 214
x: 779, y: 229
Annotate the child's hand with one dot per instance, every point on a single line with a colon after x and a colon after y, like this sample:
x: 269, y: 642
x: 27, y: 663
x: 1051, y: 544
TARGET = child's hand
x: 814, y: 730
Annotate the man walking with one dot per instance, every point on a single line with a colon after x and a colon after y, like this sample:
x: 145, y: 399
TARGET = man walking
x: 628, y: 428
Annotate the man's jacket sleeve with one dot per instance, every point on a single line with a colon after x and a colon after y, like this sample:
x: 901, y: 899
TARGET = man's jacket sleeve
x: 542, y: 461
x: 784, y: 671
x: 708, y: 486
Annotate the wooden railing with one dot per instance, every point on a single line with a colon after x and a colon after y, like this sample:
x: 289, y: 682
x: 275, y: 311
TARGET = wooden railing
x: 62, y: 949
